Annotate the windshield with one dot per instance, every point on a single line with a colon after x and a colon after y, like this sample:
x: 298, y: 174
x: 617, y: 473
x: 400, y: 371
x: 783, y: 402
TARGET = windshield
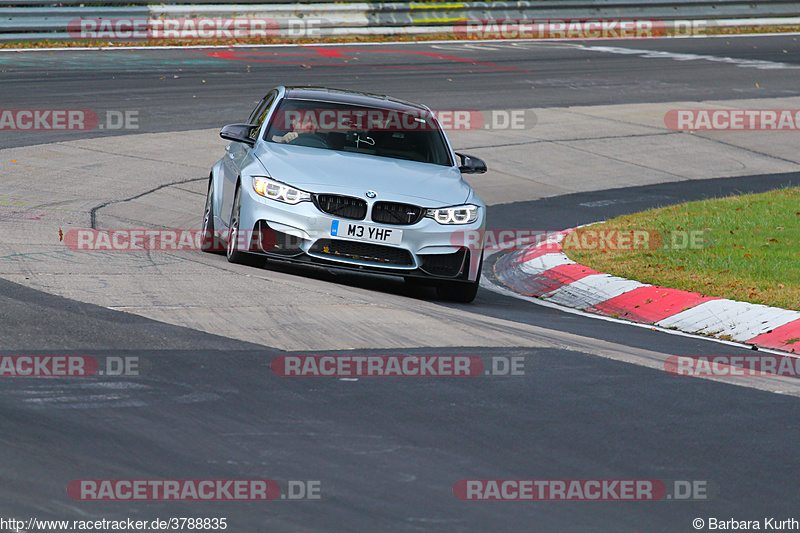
x: 410, y: 135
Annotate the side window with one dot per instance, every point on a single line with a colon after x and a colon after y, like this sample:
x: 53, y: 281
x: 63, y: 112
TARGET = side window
x: 260, y: 107
x: 261, y: 111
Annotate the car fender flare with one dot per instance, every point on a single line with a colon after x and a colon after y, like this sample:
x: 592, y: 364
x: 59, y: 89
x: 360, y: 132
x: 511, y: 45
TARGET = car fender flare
x: 215, y: 183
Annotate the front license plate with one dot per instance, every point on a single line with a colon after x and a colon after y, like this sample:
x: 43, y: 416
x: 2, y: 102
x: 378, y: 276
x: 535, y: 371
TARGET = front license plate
x: 361, y: 232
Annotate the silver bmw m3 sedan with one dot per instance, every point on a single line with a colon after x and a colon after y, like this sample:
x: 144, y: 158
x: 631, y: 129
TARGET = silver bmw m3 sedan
x: 348, y: 180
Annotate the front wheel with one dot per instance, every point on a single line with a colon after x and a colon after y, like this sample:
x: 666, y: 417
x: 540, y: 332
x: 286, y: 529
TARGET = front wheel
x: 233, y: 251
x: 208, y: 237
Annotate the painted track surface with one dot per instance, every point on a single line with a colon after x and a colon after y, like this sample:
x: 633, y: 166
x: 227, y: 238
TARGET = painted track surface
x: 388, y: 450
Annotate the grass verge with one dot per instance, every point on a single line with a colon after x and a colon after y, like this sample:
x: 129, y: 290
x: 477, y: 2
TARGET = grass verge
x: 744, y: 247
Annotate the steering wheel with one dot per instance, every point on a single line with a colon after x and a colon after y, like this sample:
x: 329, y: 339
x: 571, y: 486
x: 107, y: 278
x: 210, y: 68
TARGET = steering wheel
x: 312, y: 140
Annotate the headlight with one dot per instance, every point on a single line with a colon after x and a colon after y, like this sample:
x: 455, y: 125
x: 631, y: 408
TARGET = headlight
x: 275, y: 190
x: 461, y: 214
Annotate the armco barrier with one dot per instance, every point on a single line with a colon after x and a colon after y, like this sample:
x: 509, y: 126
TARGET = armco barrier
x: 39, y: 23
x: 40, y: 19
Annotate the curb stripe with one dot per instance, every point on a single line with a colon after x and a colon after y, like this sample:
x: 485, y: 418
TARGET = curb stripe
x: 785, y: 337
x: 723, y: 318
x: 540, y: 250
x: 545, y: 262
x: 591, y: 290
x: 650, y: 304
x: 544, y: 271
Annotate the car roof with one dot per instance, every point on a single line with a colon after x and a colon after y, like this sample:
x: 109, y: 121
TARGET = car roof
x: 342, y: 96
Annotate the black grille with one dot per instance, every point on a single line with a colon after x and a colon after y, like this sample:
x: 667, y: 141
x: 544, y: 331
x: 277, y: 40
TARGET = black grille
x: 399, y: 214
x: 446, y: 265
x: 363, y: 251
x: 341, y: 206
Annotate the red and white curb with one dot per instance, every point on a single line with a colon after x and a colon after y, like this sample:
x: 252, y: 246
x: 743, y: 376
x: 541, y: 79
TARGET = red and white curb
x: 544, y: 271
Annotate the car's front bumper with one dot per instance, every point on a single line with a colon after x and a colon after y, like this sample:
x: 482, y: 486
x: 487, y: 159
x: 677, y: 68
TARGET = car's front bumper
x: 302, y: 233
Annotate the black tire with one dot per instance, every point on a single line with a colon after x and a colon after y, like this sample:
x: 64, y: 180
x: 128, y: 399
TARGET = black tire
x: 208, y: 239
x: 462, y: 292
x: 233, y: 253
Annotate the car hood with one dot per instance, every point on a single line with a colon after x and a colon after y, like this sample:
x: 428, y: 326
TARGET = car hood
x: 327, y: 171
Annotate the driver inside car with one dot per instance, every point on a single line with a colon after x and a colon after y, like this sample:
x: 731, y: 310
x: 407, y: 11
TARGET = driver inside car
x: 297, y: 129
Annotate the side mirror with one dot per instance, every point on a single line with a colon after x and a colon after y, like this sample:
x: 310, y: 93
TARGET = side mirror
x: 243, y: 133
x: 471, y: 164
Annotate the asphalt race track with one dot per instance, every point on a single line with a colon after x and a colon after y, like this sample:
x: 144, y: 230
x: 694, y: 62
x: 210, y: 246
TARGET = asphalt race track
x: 594, y: 401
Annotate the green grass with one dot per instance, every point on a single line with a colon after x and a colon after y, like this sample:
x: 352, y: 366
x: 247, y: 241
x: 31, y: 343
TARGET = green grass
x: 748, y: 248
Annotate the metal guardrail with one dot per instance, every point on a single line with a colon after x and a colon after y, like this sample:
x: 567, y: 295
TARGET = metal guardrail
x: 49, y: 19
